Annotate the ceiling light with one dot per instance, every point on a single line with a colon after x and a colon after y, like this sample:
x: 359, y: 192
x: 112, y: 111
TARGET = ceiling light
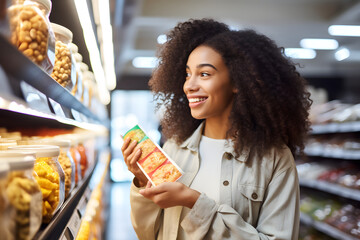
x: 91, y: 44
x: 342, y: 54
x: 145, y: 62
x: 300, y: 53
x: 107, y: 44
x: 161, y: 39
x: 317, y: 43
x: 344, y: 30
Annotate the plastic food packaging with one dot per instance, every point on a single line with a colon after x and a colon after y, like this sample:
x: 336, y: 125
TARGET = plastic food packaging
x: 50, y: 177
x: 64, y: 69
x: 31, y: 32
x: 23, y: 194
x: 66, y: 161
x: 154, y: 162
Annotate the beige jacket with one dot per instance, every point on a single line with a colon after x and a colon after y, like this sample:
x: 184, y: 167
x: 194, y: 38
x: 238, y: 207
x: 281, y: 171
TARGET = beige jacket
x: 259, y: 199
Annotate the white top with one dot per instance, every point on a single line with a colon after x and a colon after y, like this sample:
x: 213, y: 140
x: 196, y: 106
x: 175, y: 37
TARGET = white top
x: 208, y: 177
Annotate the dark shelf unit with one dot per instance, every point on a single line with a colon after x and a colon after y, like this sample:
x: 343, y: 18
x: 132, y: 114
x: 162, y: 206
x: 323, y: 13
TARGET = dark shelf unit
x: 22, y: 68
x: 19, y: 68
x: 336, y: 128
x: 331, y: 188
x: 333, y: 153
x: 326, y: 228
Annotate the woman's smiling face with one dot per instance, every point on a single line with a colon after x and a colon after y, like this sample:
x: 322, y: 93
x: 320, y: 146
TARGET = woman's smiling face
x: 207, y: 86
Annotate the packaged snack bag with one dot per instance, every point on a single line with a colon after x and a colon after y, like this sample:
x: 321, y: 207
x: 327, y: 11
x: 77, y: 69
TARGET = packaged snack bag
x: 153, y: 162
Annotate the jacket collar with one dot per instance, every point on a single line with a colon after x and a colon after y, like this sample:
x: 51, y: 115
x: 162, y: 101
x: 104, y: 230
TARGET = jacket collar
x: 192, y: 143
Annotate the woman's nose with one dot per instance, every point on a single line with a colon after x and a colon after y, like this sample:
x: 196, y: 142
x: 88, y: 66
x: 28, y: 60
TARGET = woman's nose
x: 191, y: 85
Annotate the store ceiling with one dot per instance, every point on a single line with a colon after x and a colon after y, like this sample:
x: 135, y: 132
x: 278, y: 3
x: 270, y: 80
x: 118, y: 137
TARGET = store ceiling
x: 285, y: 21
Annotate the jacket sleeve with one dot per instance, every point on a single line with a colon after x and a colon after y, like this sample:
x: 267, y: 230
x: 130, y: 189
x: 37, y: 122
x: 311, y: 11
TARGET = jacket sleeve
x: 145, y: 215
x: 278, y: 217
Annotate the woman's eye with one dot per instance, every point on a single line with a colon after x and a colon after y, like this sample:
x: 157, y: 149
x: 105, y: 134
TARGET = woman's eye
x: 188, y: 75
x: 204, y: 74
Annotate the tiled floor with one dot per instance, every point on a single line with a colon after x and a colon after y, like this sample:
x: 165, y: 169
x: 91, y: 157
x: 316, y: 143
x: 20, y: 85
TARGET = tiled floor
x: 119, y: 226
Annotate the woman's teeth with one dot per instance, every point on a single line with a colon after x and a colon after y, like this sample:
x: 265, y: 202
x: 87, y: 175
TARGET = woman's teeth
x: 194, y: 100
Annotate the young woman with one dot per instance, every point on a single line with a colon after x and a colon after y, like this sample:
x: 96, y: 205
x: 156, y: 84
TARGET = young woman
x: 236, y: 113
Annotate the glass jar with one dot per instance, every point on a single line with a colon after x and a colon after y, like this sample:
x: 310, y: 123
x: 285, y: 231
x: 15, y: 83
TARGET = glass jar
x: 31, y: 32
x: 4, y: 204
x: 83, y: 154
x: 74, y: 153
x: 77, y: 58
x: 66, y: 161
x: 5, y: 143
x: 64, y: 70
x: 50, y: 176
x: 23, y: 194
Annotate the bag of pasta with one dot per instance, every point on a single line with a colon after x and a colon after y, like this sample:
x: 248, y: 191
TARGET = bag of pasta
x: 31, y: 32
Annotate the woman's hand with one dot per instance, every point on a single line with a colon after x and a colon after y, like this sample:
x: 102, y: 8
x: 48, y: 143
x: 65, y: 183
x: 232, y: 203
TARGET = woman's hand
x: 170, y: 194
x: 131, y: 155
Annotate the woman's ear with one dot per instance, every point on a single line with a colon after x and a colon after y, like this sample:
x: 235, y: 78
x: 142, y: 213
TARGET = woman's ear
x: 235, y: 90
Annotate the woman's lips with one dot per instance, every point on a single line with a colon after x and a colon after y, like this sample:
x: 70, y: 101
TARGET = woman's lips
x: 194, y: 102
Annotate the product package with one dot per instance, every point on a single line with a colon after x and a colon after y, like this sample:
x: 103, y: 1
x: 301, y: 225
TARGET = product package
x: 153, y: 162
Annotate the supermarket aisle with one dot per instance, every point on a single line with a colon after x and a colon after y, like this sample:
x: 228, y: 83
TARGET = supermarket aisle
x: 119, y: 225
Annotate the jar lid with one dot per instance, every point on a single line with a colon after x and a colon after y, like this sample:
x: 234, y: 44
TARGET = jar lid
x: 46, y: 4
x: 4, y: 169
x: 58, y: 29
x: 40, y: 150
x: 18, y: 160
x: 78, y: 57
x: 5, y: 143
x: 73, y: 47
x: 56, y: 142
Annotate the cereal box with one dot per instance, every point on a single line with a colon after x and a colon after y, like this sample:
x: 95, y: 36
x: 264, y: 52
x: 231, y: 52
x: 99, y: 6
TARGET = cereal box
x: 154, y: 162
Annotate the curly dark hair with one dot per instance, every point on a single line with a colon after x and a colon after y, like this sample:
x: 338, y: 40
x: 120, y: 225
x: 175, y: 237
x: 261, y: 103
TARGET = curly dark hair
x: 271, y: 106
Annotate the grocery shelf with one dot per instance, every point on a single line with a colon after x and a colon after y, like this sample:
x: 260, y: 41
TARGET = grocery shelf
x: 22, y: 68
x: 75, y: 202
x: 331, y: 188
x: 335, y: 127
x: 332, y: 153
x: 326, y: 228
x: 16, y: 113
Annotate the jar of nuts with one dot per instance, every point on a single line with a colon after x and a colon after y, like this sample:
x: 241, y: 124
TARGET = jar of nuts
x: 78, y: 89
x: 66, y: 161
x: 31, y: 32
x: 50, y: 177
x: 4, y: 202
x: 63, y: 71
x: 23, y: 194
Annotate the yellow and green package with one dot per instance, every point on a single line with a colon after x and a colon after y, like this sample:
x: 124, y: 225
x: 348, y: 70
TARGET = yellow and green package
x: 153, y: 162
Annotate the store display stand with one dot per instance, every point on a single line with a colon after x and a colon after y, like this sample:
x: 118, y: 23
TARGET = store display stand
x: 335, y: 189
x: 17, y: 111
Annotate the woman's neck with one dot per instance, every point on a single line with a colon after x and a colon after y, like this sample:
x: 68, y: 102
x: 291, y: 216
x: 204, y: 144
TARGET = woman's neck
x: 215, y: 129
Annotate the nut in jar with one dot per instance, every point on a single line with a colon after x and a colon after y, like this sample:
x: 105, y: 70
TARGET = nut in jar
x: 23, y: 195
x: 50, y: 177
x: 62, y: 72
x: 65, y: 160
x: 30, y: 31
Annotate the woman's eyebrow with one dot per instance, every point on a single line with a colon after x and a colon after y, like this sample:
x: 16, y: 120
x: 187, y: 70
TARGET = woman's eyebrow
x: 203, y: 65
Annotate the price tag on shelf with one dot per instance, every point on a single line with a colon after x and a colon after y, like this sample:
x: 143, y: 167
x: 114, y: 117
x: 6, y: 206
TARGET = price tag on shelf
x: 35, y: 99
x: 72, y: 227
x: 57, y: 108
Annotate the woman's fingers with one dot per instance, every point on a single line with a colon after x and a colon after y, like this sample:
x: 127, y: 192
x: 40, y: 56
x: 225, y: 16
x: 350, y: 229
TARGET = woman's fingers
x: 135, y: 157
x: 125, y: 144
x: 129, y: 149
